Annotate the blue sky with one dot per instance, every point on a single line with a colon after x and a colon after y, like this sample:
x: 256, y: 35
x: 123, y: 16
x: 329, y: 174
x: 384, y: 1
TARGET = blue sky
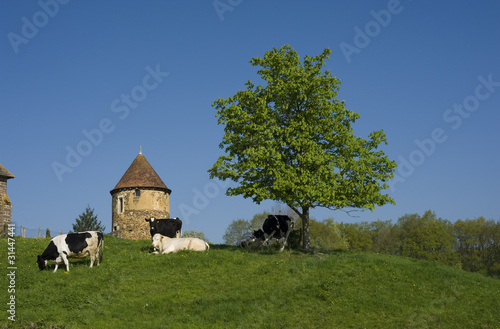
x: 84, y: 83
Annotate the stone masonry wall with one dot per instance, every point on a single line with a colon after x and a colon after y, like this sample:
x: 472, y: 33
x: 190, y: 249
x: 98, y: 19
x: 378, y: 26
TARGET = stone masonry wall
x: 128, y: 220
x: 5, y: 205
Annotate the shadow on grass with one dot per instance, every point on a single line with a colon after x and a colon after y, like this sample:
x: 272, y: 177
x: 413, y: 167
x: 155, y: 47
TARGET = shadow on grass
x: 73, y: 263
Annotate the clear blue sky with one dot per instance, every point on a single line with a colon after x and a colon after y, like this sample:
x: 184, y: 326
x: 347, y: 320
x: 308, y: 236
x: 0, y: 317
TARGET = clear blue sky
x: 84, y: 83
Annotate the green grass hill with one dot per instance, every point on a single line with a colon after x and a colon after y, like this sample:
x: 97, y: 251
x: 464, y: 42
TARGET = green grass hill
x: 227, y: 287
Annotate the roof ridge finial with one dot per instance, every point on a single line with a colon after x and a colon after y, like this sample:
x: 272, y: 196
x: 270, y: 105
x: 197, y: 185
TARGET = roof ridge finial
x: 140, y: 149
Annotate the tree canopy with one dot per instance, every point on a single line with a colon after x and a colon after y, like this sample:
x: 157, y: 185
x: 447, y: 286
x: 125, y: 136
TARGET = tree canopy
x: 291, y: 141
x: 235, y: 230
x: 238, y: 227
x: 195, y: 234
x: 87, y: 221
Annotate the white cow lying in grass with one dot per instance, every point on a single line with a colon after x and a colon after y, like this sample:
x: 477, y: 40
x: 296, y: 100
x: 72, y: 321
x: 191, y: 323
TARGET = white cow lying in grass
x: 166, y: 245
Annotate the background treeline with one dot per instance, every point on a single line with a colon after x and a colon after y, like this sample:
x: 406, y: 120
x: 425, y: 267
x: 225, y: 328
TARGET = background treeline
x: 472, y: 244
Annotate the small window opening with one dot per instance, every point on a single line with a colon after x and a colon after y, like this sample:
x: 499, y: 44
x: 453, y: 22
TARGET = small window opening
x: 137, y: 192
x: 121, y: 205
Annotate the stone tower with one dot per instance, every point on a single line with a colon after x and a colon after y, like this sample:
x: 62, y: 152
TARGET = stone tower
x: 5, y: 204
x: 139, y: 194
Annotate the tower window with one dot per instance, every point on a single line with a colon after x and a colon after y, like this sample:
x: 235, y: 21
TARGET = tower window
x: 121, y: 205
x: 137, y: 192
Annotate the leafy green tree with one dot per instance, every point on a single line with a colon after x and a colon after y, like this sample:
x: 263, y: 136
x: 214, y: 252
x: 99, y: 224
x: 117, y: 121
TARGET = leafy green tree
x: 291, y: 141
x: 426, y: 237
x: 373, y: 236
x: 384, y: 239
x: 195, y: 234
x: 235, y: 231
x: 87, y: 221
x: 477, y: 241
x: 258, y: 220
x: 325, y: 235
x: 357, y: 235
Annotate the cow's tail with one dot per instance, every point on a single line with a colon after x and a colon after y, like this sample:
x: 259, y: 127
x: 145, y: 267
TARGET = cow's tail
x: 206, y: 244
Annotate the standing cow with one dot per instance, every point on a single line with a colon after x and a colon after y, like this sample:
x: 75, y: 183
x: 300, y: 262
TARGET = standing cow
x: 274, y: 227
x: 171, y: 227
x: 72, y: 245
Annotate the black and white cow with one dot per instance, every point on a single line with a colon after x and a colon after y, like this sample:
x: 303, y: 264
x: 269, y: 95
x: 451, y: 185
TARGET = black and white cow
x: 170, y: 227
x: 72, y: 245
x: 274, y: 227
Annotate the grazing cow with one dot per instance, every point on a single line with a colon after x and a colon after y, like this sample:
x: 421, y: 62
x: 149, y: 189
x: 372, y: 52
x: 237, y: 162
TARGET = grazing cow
x: 168, y: 245
x: 275, y: 226
x: 72, y: 245
x: 247, y: 240
x: 170, y: 227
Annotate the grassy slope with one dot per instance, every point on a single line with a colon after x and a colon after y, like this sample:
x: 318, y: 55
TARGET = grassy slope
x: 230, y: 288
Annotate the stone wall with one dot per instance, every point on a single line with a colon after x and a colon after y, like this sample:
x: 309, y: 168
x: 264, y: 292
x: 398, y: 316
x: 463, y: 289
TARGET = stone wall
x: 5, y: 205
x: 129, y: 211
x: 3, y: 185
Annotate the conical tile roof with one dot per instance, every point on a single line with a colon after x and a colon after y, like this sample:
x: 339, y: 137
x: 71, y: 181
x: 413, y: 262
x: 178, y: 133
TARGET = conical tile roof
x: 140, y: 174
x: 5, y: 173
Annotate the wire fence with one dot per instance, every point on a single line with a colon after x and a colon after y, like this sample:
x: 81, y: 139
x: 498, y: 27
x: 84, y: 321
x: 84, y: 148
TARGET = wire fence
x: 40, y: 232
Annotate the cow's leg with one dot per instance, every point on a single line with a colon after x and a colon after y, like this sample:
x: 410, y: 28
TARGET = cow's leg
x: 55, y: 269
x: 178, y: 234
x: 286, y: 238
x: 67, y: 264
x: 92, y: 258
x: 268, y: 237
x: 64, y: 257
x: 99, y: 253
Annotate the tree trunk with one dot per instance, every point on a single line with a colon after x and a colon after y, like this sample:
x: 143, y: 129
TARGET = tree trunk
x: 306, y: 242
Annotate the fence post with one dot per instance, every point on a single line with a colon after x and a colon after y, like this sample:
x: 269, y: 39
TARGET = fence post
x: 39, y: 232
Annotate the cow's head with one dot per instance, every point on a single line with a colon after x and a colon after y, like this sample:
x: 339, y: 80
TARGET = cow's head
x: 157, y: 242
x: 246, y: 240
x: 42, y: 263
x: 151, y: 221
x: 259, y: 234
